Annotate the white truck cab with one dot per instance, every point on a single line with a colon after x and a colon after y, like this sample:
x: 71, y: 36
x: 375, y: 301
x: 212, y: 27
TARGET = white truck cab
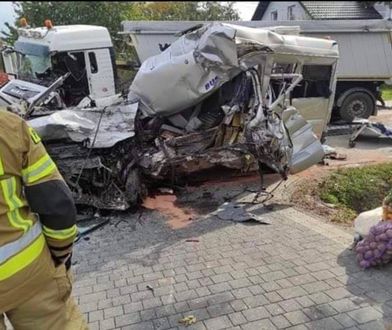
x: 82, y: 52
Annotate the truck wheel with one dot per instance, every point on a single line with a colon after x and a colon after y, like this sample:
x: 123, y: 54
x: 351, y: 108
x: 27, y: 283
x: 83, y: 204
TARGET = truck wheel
x: 358, y: 105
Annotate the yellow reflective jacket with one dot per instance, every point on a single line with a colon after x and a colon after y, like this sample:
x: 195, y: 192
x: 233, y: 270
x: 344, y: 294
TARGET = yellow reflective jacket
x: 28, y: 241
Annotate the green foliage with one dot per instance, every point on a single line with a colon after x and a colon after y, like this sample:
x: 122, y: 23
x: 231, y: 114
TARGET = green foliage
x: 185, y: 10
x: 344, y: 215
x: 111, y: 14
x: 9, y: 36
x: 108, y: 14
x: 329, y: 198
x: 386, y: 92
x: 358, y: 189
x: 388, y: 198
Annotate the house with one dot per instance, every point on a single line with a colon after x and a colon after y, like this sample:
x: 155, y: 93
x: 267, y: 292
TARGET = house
x: 318, y: 10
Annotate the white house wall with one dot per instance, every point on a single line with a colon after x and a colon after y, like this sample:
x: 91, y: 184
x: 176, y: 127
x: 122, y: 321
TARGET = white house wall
x: 383, y: 9
x: 282, y: 9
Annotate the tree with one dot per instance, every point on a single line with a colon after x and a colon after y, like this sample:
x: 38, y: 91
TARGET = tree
x: 11, y: 35
x: 111, y: 14
x: 108, y: 14
x: 185, y: 10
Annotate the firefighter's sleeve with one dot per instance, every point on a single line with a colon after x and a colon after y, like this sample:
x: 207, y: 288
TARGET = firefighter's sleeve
x: 48, y: 196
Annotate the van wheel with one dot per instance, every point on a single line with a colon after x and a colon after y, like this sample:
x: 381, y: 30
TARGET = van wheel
x: 323, y: 138
x: 135, y: 190
x: 356, y: 105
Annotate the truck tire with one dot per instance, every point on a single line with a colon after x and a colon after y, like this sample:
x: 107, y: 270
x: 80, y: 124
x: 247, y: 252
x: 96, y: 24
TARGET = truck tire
x: 357, y: 104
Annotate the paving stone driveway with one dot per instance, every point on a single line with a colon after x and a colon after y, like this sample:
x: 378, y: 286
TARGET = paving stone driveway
x: 295, y: 273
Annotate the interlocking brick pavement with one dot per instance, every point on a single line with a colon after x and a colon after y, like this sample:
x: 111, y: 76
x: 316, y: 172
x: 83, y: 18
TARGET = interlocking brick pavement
x: 294, y: 273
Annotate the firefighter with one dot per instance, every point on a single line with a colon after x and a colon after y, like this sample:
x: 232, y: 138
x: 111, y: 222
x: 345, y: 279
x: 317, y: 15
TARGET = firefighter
x: 37, y: 231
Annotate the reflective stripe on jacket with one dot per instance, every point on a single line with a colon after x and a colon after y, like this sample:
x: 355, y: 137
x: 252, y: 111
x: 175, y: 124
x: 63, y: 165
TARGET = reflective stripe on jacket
x: 25, y: 166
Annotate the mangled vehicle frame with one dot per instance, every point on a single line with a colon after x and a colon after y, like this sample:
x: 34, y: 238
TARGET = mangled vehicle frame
x: 222, y: 95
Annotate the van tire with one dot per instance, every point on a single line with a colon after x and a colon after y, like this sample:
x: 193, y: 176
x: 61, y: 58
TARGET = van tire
x: 357, y: 104
x: 135, y: 190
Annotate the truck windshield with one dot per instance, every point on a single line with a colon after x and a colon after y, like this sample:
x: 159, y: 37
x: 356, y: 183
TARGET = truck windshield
x: 32, y: 67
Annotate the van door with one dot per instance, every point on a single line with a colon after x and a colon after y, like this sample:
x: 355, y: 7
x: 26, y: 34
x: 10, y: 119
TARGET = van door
x: 307, y: 149
x: 100, y: 73
x: 304, y: 112
x: 315, y: 111
x: 314, y: 96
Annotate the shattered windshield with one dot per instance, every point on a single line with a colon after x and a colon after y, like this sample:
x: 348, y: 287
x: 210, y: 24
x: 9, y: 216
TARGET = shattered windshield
x: 32, y: 66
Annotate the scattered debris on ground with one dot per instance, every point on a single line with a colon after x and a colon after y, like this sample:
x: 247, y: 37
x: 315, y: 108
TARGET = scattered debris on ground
x: 188, y: 320
x: 368, y: 129
x: 237, y: 212
x: 192, y: 240
x: 83, y: 231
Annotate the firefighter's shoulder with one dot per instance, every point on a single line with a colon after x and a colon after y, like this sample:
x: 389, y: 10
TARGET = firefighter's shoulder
x: 12, y: 123
x: 7, y: 116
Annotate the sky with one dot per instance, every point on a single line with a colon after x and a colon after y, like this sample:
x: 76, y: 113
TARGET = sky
x: 6, y: 13
x: 245, y: 9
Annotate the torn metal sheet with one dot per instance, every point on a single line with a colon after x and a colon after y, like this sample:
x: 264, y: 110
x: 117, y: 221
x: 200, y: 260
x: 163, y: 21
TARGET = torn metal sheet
x: 370, y: 130
x: 236, y: 212
x: 328, y: 150
x: 116, y: 123
x: 102, y: 178
x: 159, y: 166
x: 304, y: 142
x: 192, y: 68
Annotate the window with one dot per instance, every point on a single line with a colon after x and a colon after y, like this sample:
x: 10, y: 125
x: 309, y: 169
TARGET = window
x: 290, y: 13
x: 93, y: 62
x: 315, y: 83
x: 274, y: 15
x: 75, y: 87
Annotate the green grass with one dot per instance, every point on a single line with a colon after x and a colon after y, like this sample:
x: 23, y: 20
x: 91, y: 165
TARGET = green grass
x: 386, y: 92
x: 355, y: 190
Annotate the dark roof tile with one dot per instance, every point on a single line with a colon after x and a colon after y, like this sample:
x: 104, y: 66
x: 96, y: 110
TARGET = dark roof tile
x: 339, y: 10
x: 328, y: 10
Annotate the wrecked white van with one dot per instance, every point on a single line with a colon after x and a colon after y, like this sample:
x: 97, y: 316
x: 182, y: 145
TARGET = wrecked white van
x: 221, y: 95
x: 224, y: 93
